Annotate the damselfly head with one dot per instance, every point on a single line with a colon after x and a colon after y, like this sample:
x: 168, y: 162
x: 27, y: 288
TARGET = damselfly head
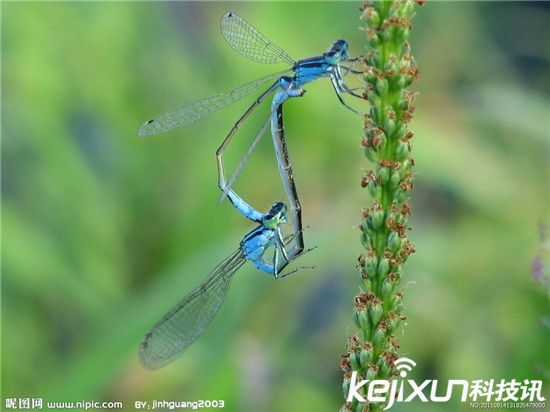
x: 275, y: 216
x: 338, y: 52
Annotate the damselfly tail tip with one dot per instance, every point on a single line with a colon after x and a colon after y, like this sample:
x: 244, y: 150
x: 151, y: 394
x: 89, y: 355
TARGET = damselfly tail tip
x: 146, y: 357
x: 145, y: 129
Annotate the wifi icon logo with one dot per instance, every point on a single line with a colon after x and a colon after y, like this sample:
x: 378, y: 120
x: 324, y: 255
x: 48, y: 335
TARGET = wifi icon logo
x: 404, y: 366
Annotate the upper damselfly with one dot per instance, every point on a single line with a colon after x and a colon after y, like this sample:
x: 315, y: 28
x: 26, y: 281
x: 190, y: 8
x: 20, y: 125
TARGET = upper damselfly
x: 250, y: 43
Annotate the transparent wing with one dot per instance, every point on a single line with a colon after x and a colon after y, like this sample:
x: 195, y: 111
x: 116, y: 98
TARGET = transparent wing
x: 250, y: 43
x: 244, y: 161
x: 195, y: 110
x: 180, y: 327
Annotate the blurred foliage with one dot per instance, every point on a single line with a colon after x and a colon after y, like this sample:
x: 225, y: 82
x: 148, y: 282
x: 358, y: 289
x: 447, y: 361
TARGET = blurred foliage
x: 103, y: 232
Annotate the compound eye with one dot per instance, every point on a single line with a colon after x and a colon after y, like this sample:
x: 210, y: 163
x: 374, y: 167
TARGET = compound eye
x: 341, y: 44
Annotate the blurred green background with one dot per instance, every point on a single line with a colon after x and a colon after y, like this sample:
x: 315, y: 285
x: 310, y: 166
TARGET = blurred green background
x: 103, y: 232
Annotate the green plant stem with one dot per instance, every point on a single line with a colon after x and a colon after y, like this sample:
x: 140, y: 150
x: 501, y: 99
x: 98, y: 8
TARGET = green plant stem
x: 378, y: 309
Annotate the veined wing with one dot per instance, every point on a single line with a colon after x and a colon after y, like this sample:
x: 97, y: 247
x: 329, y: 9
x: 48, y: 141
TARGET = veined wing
x: 244, y: 161
x: 180, y: 327
x: 250, y: 43
x: 195, y: 110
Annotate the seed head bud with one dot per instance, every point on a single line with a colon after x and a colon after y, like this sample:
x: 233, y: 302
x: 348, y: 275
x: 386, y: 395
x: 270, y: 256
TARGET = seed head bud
x: 366, y: 354
x: 372, y: 154
x: 377, y: 217
x: 401, y: 105
x: 356, y: 318
x: 361, y: 316
x: 371, y: 262
x: 407, y: 165
x: 382, y: 86
x: 400, y: 131
x: 372, y: 371
x: 394, y: 320
x: 380, y: 333
x: 389, y: 126
x: 370, y: 76
x: 383, y: 267
x: 388, y: 285
x: 401, y: 151
x: 394, y: 242
x: 397, y: 298
x: 374, y: 98
x: 400, y: 195
x: 346, y: 384
x: 384, y: 369
x: 404, y: 80
x: 385, y: 35
x: 373, y: 18
x: 374, y: 113
x: 375, y: 311
x: 354, y: 360
x: 376, y: 60
x: 379, y: 140
x: 344, y: 362
x: 373, y: 39
x: 383, y: 174
x: 395, y: 178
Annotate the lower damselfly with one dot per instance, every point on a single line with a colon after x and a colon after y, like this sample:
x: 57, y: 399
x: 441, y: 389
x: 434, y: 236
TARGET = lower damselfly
x: 190, y: 317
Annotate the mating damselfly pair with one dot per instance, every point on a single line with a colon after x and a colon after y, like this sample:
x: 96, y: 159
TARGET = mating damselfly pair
x: 181, y: 326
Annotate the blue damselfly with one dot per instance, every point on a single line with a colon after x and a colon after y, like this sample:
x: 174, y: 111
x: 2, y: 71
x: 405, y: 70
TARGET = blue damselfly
x: 190, y: 317
x: 250, y: 43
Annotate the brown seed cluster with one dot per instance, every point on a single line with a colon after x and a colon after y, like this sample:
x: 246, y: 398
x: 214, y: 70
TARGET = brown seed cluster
x: 387, y: 143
